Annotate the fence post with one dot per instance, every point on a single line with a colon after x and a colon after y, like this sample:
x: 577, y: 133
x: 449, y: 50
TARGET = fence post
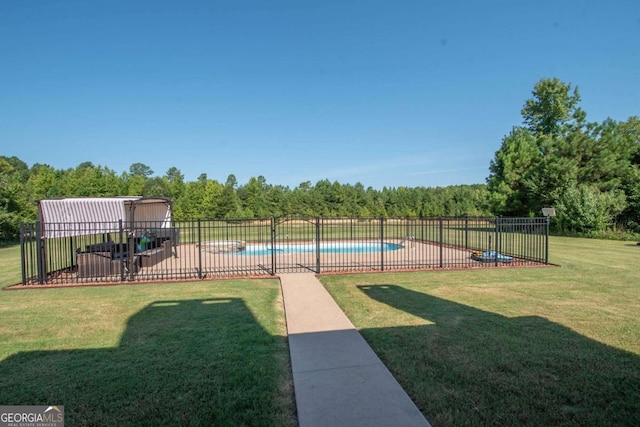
x: 381, y: 243
x: 351, y: 228
x: 441, y: 238
x: 466, y: 232
x: 318, y: 244
x: 72, y: 253
x: 199, y: 249
x: 546, y: 250
x: 497, y: 241
x: 273, y: 245
x: 41, y: 255
x: 121, y: 249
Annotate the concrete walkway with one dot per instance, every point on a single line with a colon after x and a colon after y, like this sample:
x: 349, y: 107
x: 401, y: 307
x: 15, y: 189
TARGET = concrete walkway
x: 338, y: 379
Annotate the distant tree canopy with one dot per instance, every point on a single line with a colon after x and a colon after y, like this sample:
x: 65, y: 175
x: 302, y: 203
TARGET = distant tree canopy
x: 206, y: 198
x: 588, y: 171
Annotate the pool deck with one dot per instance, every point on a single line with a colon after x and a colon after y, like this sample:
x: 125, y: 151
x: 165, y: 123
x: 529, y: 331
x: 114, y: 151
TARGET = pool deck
x: 338, y: 379
x: 214, y: 259
x: 190, y: 258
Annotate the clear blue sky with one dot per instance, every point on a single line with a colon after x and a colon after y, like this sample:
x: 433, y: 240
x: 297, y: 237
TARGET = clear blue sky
x: 386, y: 93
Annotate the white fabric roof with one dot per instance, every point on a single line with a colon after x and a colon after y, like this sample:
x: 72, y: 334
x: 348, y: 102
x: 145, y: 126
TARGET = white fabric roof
x: 96, y: 215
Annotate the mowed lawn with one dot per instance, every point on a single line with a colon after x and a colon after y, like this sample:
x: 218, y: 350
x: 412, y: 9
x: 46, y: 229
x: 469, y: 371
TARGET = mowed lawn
x: 199, y: 353
x: 530, y: 346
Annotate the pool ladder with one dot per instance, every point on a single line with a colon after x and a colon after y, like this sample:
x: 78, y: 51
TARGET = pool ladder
x: 411, y: 239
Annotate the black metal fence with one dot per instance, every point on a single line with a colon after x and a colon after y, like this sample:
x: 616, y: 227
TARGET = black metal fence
x: 199, y: 249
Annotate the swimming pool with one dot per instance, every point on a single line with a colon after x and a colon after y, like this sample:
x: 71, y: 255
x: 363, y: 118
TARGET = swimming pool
x: 325, y: 247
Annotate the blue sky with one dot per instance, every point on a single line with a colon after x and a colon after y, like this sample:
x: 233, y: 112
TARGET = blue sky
x: 386, y: 93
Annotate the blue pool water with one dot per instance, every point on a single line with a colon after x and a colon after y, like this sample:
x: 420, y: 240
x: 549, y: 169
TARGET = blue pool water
x: 325, y: 247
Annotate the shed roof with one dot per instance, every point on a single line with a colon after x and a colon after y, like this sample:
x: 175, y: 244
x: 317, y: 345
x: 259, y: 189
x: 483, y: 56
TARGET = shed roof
x: 77, y: 216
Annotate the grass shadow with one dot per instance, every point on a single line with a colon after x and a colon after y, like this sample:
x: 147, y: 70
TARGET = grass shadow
x: 472, y: 367
x: 189, y: 362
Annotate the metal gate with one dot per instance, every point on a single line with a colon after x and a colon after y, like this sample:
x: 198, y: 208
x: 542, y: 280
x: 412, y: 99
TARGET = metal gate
x: 295, y: 244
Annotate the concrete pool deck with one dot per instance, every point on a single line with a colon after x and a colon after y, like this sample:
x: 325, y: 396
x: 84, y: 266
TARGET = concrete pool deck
x: 338, y: 379
x: 190, y: 258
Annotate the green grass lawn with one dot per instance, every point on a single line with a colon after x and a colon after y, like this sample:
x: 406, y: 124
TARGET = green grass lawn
x: 199, y: 353
x: 10, y: 265
x: 535, y: 346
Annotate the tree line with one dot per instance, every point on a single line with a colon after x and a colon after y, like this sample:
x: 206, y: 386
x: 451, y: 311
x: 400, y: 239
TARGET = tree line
x: 589, y: 172
x: 207, y: 198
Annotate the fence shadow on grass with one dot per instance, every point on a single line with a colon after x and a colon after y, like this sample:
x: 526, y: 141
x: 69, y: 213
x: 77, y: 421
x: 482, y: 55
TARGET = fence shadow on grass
x: 473, y: 367
x: 191, y: 362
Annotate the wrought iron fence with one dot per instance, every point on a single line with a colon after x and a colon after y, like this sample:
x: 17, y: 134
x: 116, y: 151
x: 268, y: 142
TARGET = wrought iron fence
x: 199, y: 249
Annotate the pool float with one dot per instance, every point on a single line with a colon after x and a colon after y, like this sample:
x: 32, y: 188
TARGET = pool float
x: 490, y: 256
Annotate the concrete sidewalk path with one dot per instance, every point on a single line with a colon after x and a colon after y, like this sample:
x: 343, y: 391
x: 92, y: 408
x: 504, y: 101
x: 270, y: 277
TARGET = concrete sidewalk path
x: 338, y: 379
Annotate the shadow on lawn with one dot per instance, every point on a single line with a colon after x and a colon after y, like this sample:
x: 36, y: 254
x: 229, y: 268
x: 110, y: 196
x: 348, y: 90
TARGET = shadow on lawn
x: 195, y: 362
x: 475, y: 367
